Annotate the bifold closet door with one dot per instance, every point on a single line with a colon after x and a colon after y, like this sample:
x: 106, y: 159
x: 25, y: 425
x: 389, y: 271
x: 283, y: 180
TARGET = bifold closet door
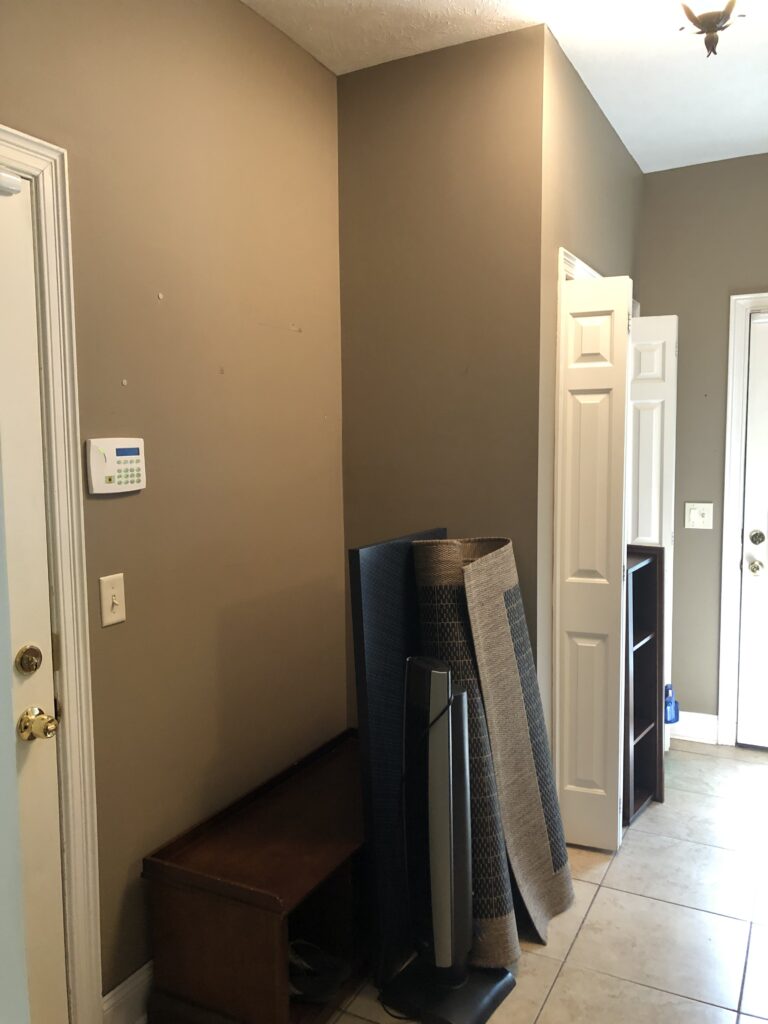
x: 590, y: 556
x: 651, y: 451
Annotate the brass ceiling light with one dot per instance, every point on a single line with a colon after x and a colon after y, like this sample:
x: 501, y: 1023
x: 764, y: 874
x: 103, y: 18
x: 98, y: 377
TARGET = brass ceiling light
x: 711, y: 24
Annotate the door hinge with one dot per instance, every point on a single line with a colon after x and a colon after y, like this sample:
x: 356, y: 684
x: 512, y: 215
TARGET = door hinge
x: 623, y: 574
x: 629, y: 323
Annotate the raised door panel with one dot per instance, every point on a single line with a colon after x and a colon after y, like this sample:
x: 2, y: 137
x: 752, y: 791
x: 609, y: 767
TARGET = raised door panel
x: 589, y: 557
x: 651, y: 449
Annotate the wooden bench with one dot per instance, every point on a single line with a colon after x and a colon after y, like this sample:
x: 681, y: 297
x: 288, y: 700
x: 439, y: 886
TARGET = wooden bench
x: 227, y: 897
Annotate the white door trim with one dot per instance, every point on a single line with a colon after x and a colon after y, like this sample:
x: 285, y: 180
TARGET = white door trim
x: 45, y: 166
x: 742, y: 308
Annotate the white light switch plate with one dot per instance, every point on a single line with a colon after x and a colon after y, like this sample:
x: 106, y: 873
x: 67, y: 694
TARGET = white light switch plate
x: 112, y: 593
x: 698, y: 515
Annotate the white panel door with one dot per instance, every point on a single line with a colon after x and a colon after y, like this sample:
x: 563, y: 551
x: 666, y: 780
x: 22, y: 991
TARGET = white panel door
x: 26, y: 568
x: 590, y: 556
x: 13, y: 958
x: 651, y: 448
x: 752, y: 718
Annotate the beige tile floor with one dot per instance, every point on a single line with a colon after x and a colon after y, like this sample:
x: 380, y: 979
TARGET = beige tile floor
x: 674, y: 928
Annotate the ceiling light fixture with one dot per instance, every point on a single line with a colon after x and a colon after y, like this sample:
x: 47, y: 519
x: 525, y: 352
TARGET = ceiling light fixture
x: 711, y: 24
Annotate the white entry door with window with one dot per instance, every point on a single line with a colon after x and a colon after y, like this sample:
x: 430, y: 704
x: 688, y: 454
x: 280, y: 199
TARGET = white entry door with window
x: 28, y: 671
x: 752, y: 719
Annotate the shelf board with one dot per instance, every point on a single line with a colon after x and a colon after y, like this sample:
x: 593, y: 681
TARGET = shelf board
x: 635, y: 562
x: 642, y: 797
x: 645, y: 640
x: 642, y: 730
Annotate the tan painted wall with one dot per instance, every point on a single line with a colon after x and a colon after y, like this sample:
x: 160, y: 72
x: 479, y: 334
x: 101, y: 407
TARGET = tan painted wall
x: 591, y: 191
x: 702, y: 239
x: 440, y: 169
x: 203, y: 163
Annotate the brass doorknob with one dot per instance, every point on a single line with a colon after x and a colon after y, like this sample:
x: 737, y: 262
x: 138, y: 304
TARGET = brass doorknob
x: 756, y: 567
x: 34, y: 724
x: 29, y: 659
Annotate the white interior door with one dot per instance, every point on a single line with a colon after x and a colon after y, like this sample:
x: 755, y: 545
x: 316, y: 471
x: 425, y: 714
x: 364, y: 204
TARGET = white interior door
x: 752, y: 719
x: 28, y: 611
x: 13, y: 960
x: 651, y: 449
x: 590, y: 557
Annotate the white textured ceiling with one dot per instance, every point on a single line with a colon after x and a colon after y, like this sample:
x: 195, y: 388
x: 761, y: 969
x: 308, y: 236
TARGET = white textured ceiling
x: 670, y: 104
x: 346, y: 35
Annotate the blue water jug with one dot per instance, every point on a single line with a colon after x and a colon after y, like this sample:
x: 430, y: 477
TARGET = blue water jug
x: 671, y: 706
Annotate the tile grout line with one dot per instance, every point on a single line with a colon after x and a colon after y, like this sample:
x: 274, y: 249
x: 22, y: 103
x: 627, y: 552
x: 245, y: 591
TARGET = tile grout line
x: 680, y: 839
x: 683, y: 906
x: 744, y: 975
x: 652, y: 988
x: 720, y: 757
x: 568, y: 953
x: 666, y: 835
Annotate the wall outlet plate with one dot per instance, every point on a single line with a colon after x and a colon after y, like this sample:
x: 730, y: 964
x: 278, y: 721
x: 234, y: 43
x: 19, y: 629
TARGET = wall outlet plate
x: 699, y: 515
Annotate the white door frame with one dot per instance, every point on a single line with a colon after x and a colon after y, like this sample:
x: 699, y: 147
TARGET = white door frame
x: 742, y: 308
x: 45, y: 167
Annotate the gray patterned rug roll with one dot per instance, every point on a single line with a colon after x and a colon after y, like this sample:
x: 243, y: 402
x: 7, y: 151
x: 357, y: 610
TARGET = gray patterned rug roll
x: 472, y: 618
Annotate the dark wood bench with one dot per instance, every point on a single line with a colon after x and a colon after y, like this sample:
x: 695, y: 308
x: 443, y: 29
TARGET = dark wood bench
x: 227, y: 897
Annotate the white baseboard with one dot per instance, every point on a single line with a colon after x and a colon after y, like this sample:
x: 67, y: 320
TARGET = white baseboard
x: 697, y: 727
x: 127, y: 1004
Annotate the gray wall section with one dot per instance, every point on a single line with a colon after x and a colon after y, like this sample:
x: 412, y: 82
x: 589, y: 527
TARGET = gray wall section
x: 703, y: 237
x: 440, y: 191
x: 203, y: 159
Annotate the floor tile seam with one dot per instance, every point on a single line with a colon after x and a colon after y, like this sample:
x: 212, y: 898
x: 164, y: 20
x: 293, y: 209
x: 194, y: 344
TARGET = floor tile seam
x: 545, y: 1000
x: 685, y: 906
x: 653, y: 988
x: 695, y: 792
x: 744, y: 973
x: 680, y: 839
x: 563, y: 961
x: 718, y: 757
x: 666, y: 835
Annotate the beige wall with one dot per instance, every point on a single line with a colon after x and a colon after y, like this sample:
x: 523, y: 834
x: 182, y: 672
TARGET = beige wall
x: 702, y: 239
x: 440, y: 170
x: 203, y: 162
x: 591, y: 191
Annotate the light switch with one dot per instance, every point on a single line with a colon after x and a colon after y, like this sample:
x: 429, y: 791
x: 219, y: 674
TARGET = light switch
x: 112, y: 592
x: 698, y: 515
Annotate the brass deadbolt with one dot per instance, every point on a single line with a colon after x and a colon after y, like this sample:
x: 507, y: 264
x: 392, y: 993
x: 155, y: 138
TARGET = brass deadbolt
x: 29, y: 659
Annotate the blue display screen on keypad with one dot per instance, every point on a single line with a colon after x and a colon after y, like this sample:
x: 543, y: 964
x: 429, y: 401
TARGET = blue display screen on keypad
x: 126, y: 451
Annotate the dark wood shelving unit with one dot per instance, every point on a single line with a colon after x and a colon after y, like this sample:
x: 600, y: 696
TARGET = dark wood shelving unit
x: 644, y: 697
x: 227, y: 897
